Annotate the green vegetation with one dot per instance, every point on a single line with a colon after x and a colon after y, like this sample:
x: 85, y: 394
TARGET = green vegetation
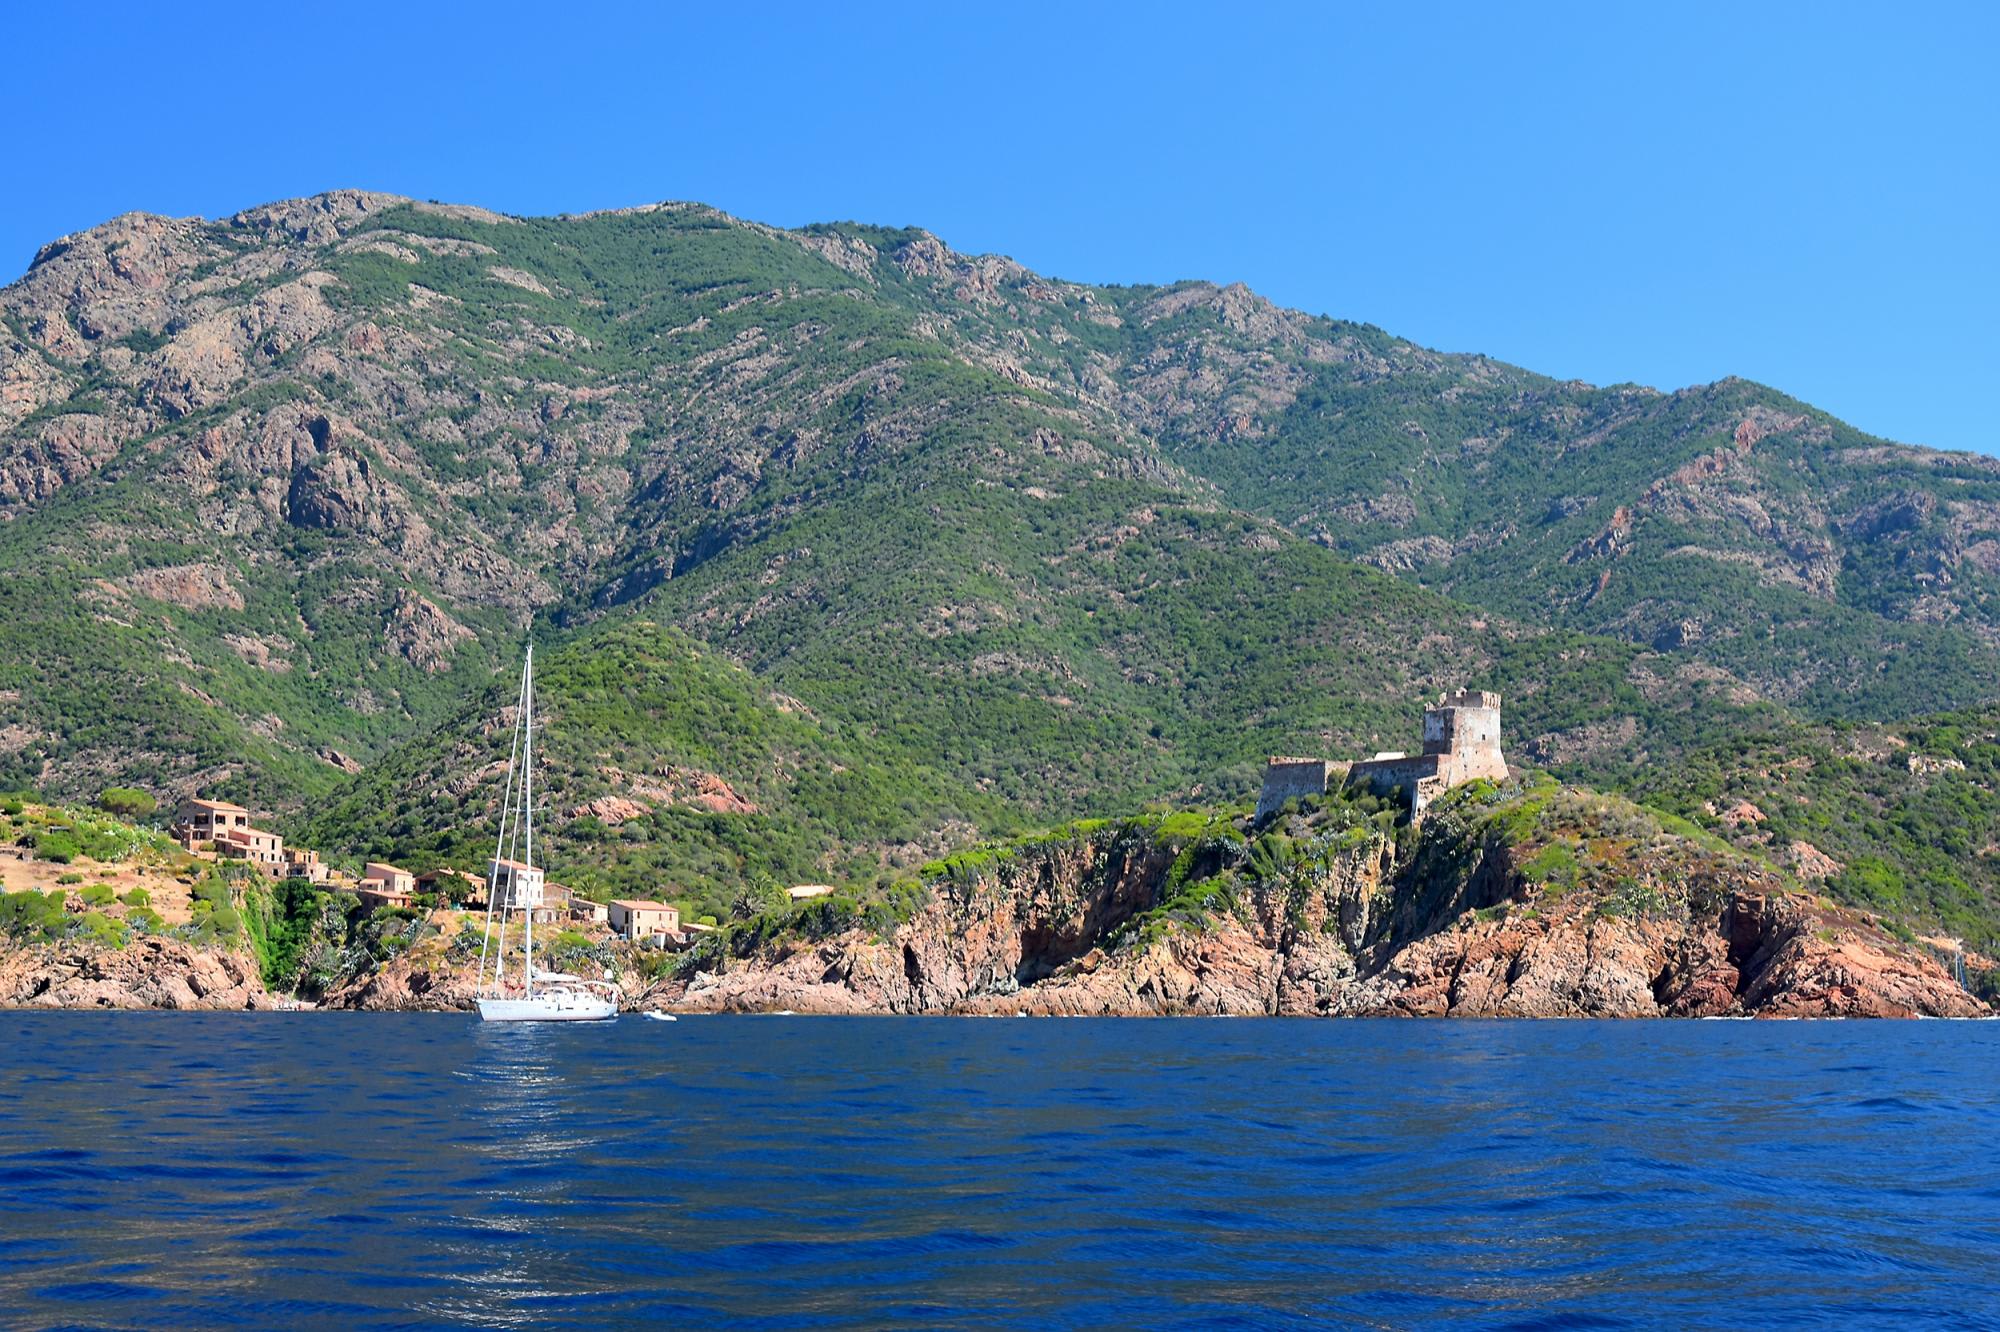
x: 32, y: 915
x: 127, y: 802
x: 215, y: 918
x: 845, y: 552
x: 1907, y: 817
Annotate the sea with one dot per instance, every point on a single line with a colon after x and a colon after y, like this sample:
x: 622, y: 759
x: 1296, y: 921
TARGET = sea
x: 358, y: 1171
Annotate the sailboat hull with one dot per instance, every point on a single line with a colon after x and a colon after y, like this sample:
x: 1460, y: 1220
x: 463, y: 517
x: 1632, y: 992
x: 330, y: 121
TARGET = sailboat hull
x: 554, y: 1008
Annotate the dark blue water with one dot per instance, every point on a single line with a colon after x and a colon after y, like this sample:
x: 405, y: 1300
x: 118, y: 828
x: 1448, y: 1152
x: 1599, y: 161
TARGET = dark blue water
x: 327, y: 1170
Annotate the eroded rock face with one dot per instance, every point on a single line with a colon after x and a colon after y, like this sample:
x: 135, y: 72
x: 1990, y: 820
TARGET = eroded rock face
x: 407, y: 985
x: 421, y: 631
x: 1450, y: 930
x: 149, y: 972
x: 193, y: 587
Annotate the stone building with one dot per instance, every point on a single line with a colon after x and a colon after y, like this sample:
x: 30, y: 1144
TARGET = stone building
x: 517, y: 885
x: 385, y: 885
x: 1294, y: 779
x: 657, y: 921
x: 199, y: 821
x: 1461, y: 743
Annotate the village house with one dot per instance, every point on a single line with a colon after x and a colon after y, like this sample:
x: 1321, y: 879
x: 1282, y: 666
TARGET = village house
x: 303, y: 864
x: 1461, y: 743
x: 383, y: 885
x: 265, y: 850
x: 657, y: 921
x: 585, y: 911
x: 519, y: 886
x: 198, y: 821
x: 805, y: 892
x: 450, y: 885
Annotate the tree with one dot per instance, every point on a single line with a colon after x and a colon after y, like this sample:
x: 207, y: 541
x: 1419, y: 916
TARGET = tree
x: 127, y: 802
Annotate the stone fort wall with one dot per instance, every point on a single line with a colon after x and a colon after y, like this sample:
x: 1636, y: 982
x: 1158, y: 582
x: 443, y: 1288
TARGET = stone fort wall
x: 1294, y: 779
x: 1461, y: 743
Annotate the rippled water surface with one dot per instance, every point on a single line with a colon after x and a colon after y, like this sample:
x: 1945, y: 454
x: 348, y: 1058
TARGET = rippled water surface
x: 335, y: 1170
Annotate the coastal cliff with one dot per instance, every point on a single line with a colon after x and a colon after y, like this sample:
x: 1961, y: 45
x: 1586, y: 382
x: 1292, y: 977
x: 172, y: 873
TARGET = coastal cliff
x: 1524, y: 899
x: 150, y: 972
x: 1522, y: 902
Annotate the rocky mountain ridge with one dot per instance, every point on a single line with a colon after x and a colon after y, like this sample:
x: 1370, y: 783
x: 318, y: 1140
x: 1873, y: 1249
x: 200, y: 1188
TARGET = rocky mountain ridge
x: 284, y: 490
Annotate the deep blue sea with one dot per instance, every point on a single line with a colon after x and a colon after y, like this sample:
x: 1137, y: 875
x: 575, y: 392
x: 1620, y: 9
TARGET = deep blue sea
x: 362, y: 1171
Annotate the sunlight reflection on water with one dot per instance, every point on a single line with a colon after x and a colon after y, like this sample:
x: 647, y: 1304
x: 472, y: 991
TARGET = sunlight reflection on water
x: 235, y: 1170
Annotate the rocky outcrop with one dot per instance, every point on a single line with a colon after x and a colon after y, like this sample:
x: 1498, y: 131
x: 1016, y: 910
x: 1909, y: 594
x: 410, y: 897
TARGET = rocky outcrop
x: 194, y: 587
x: 1450, y: 925
x: 149, y: 972
x: 423, y: 634
x: 407, y: 984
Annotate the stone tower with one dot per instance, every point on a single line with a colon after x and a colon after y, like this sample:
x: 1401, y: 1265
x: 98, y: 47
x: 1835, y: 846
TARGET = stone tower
x: 1463, y: 730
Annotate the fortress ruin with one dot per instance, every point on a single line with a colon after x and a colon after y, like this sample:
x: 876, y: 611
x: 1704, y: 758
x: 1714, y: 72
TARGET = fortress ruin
x: 1461, y: 743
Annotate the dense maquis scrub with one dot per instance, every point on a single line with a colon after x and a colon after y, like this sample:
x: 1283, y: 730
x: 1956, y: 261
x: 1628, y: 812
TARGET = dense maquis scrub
x: 893, y: 547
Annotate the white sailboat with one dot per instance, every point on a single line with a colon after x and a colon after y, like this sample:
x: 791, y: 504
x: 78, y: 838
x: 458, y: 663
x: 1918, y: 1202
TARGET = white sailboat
x: 517, y: 885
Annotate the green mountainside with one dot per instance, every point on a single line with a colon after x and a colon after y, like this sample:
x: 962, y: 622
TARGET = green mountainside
x: 1901, y: 819
x: 897, y: 545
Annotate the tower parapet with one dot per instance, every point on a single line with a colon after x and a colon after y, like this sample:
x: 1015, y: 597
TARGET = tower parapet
x: 1461, y: 743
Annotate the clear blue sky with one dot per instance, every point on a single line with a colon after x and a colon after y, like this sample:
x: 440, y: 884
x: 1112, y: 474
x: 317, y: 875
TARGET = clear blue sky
x: 1804, y: 195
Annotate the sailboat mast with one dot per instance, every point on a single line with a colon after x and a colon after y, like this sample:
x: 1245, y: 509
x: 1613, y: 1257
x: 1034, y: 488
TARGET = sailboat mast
x: 487, y: 942
x: 528, y: 808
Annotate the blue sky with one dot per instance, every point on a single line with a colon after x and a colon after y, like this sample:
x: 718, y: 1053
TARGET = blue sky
x: 1804, y: 195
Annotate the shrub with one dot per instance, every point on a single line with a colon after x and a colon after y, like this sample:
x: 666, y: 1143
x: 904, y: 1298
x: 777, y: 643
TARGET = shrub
x: 127, y: 802
x: 29, y: 914
x: 210, y: 891
x: 98, y: 894
x: 1555, y: 867
x: 58, y: 848
x: 69, y: 878
x: 100, y: 928
x: 138, y: 897
x: 146, y: 919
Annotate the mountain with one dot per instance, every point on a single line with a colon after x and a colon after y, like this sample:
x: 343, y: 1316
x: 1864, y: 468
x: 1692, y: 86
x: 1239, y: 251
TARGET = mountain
x: 285, y: 493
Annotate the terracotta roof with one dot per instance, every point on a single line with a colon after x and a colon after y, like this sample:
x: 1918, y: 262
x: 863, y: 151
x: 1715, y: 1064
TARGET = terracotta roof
x: 513, y: 864
x: 219, y: 806
x: 643, y: 906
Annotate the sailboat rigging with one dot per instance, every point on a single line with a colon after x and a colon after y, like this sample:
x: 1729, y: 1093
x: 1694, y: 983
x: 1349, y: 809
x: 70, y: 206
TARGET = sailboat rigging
x: 517, y: 885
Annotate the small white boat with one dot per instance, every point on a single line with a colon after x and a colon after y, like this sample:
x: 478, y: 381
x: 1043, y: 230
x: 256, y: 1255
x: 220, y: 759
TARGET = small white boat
x: 517, y: 885
x: 657, y: 1016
